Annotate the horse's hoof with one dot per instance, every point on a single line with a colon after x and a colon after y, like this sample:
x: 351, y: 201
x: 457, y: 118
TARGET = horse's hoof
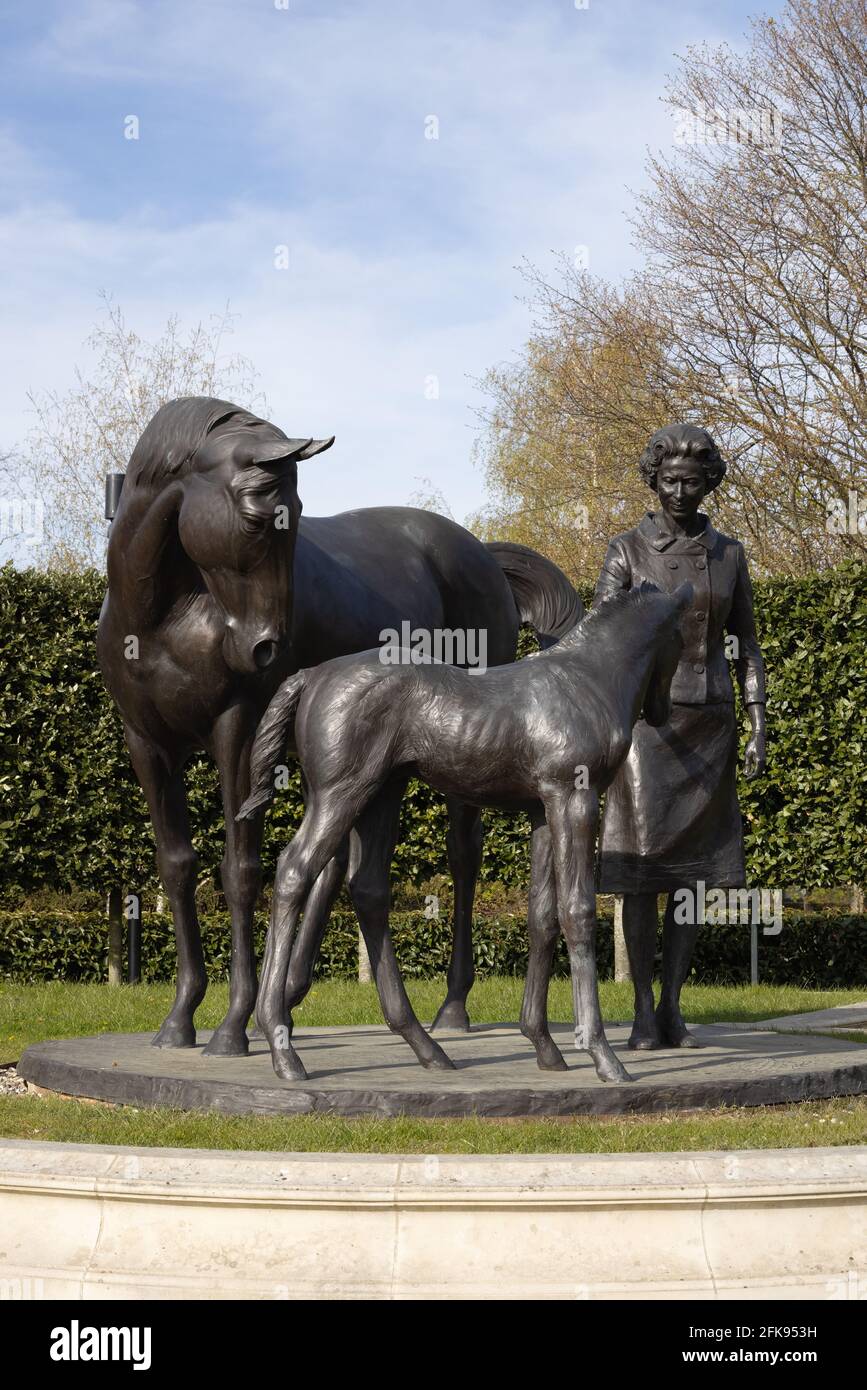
x: 645, y: 1040
x: 674, y: 1032
x: 452, y: 1015
x: 175, y: 1034
x: 227, y: 1044
x: 685, y: 1039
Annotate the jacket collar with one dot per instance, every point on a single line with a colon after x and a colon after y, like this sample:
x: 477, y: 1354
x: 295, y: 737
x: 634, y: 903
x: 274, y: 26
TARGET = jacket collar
x: 655, y: 528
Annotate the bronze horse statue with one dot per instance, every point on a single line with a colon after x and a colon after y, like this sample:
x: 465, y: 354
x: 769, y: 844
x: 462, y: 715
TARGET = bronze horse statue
x: 545, y: 735
x: 218, y: 590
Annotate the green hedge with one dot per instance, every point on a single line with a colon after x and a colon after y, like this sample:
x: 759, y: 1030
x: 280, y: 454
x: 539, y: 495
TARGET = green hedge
x: 73, y: 817
x: 821, y: 952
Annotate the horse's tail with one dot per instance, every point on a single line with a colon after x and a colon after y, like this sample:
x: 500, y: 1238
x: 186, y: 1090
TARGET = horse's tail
x: 269, y: 745
x: 543, y: 595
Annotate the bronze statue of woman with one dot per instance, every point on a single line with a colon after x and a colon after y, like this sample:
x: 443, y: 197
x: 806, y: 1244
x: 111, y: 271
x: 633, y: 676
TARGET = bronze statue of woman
x: 671, y: 816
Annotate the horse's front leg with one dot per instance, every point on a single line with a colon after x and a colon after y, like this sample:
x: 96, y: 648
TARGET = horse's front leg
x: 241, y: 874
x: 163, y: 786
x: 572, y: 819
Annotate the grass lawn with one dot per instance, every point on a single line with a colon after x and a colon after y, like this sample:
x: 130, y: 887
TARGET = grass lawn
x: 29, y: 1013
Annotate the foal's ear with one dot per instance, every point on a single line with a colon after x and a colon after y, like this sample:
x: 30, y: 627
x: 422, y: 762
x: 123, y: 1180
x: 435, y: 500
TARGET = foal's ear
x: 683, y: 595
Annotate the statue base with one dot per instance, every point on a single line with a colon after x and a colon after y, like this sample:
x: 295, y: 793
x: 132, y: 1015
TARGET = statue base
x: 370, y: 1071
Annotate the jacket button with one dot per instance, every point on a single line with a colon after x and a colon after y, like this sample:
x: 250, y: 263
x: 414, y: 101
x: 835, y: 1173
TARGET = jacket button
x: 672, y: 564
x: 701, y: 564
x: 698, y: 668
x: 700, y: 617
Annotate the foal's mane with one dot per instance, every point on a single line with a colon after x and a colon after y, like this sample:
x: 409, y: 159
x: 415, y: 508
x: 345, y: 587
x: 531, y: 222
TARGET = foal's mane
x: 597, y: 620
x: 170, y: 441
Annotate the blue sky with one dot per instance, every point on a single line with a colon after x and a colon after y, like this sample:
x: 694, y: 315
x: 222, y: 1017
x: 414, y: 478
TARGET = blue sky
x: 305, y: 126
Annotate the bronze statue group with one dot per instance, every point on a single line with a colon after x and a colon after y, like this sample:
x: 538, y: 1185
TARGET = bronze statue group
x: 258, y: 639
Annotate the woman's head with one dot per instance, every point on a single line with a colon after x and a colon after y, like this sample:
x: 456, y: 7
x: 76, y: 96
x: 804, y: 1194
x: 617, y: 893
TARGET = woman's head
x: 682, y: 465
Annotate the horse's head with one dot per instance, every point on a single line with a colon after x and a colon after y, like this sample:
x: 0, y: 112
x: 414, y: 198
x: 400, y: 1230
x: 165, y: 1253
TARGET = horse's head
x: 663, y: 613
x: 237, y: 522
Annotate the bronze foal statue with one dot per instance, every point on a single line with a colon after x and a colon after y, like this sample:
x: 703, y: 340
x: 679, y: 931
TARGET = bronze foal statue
x: 545, y: 735
x: 217, y: 591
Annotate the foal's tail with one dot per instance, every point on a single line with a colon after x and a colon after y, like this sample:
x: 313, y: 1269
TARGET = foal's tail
x: 269, y: 745
x: 543, y: 595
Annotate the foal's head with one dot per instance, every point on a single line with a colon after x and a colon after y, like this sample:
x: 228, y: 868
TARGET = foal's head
x: 238, y: 511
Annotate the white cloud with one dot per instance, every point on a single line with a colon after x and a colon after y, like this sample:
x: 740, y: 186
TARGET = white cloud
x: 402, y: 250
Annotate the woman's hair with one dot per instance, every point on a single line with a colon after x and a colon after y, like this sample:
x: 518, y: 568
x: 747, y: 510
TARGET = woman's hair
x: 685, y: 441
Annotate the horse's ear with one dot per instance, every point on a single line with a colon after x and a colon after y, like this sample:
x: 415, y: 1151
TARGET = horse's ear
x: 683, y: 595
x: 289, y: 449
x: 316, y: 446
x: 273, y: 450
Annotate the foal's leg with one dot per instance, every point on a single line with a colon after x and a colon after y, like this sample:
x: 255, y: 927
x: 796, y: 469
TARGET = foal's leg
x: 325, y: 826
x: 544, y: 930
x: 464, y: 847
x: 176, y: 859
x: 371, y: 852
x: 572, y: 819
x: 308, y: 939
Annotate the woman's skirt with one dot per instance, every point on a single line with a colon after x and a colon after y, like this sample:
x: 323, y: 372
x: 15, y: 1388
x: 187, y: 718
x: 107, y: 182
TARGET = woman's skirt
x: 671, y: 815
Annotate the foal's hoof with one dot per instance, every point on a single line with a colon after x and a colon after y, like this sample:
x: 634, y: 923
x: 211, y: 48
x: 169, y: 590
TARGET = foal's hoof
x: 288, y: 1066
x: 228, y: 1042
x: 552, y: 1063
x: 548, y: 1056
x: 438, y: 1061
x: 453, y: 1014
x: 611, y: 1069
x: 175, y: 1033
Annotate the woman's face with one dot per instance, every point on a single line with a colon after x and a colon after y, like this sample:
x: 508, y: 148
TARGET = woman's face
x: 680, y: 487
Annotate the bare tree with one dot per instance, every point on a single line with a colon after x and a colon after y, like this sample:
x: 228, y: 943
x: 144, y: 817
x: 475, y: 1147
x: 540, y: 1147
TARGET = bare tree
x: 91, y: 430
x: 749, y: 316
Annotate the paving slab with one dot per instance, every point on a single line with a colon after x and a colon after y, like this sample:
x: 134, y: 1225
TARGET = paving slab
x: 368, y: 1071
x: 841, y: 1016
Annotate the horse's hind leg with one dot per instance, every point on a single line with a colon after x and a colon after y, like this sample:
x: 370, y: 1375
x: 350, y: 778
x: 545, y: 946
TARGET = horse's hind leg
x: 572, y: 820
x: 371, y: 850
x: 176, y: 860
x: 464, y: 848
x: 544, y: 931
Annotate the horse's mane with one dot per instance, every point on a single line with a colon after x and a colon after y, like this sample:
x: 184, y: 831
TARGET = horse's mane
x: 169, y: 442
x: 597, y: 619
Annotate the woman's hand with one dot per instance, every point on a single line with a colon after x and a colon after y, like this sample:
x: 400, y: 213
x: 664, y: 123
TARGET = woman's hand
x: 754, y: 760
